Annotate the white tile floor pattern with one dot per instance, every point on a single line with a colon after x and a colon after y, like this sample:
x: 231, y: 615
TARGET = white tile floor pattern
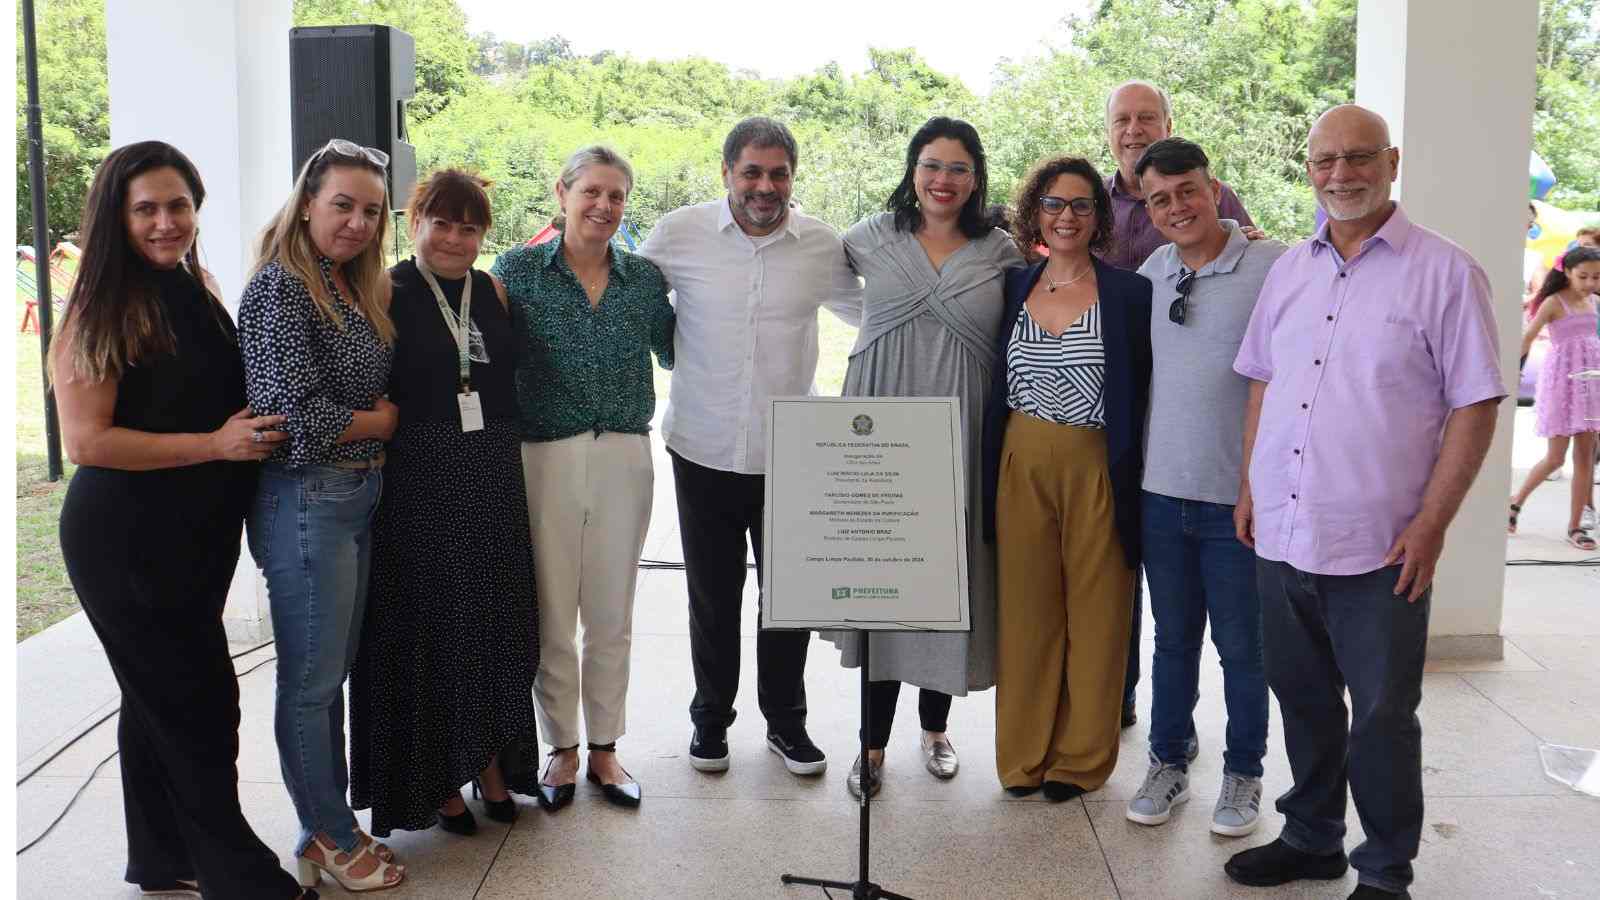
x: 1495, y: 826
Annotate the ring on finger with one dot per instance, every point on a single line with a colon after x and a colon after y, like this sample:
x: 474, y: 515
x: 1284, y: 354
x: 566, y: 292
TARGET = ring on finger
x: 255, y: 436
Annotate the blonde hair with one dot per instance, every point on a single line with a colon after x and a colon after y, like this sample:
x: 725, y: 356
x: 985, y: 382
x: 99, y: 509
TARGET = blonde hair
x: 287, y: 241
x: 594, y: 155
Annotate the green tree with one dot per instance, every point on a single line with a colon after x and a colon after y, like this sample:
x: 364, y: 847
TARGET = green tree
x: 445, y: 54
x: 1566, y: 118
x: 75, y: 111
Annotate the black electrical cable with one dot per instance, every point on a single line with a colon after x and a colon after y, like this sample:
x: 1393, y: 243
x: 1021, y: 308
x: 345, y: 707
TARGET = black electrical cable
x: 96, y: 723
x: 1586, y: 561
x: 57, y: 820
x: 109, y: 757
x: 644, y: 563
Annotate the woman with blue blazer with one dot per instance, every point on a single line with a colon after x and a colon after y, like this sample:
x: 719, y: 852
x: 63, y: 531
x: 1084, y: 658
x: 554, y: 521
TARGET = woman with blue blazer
x: 1062, y: 465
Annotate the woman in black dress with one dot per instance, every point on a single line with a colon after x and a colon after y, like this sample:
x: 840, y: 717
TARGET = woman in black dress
x: 147, y: 374
x: 444, y: 676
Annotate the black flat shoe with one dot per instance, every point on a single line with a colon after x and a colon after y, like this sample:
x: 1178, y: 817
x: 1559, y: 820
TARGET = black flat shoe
x: 1270, y: 865
x: 1022, y: 790
x: 554, y: 796
x: 463, y: 824
x: 1368, y: 892
x: 627, y: 794
x: 1060, y: 791
x: 498, y: 810
x: 177, y: 887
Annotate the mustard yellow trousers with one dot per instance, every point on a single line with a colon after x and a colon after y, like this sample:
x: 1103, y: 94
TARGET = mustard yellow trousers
x: 1064, y: 608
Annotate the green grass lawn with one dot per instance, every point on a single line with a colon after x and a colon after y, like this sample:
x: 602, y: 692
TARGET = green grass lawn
x: 43, y: 595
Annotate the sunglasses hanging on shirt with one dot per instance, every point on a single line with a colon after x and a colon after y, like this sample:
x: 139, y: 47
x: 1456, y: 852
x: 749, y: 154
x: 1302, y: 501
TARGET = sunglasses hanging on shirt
x: 1179, y: 310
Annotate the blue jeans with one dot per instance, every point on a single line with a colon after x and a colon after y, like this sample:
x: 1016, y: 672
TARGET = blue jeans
x: 1199, y: 570
x: 1326, y: 633
x: 310, y: 531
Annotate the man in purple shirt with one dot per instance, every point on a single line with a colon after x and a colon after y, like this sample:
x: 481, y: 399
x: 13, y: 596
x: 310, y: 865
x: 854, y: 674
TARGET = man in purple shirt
x: 1138, y: 114
x: 1375, y: 377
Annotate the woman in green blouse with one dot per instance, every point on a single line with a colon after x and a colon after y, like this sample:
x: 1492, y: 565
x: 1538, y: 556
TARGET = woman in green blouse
x: 586, y: 315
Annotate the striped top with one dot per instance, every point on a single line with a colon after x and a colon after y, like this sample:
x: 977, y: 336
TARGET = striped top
x: 1058, y: 378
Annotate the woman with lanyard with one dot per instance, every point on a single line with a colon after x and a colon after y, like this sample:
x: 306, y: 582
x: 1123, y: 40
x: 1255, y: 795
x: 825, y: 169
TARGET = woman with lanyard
x: 444, y: 678
x: 586, y: 316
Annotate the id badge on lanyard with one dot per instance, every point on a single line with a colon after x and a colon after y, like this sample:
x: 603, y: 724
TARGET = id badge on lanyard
x: 467, y: 399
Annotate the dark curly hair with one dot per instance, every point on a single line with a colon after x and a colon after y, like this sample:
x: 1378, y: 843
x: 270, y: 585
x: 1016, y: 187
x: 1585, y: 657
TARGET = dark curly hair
x: 1025, y: 225
x: 974, y: 221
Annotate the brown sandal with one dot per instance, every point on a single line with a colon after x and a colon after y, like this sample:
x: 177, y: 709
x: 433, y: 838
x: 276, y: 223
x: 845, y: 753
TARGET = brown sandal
x: 1579, y: 538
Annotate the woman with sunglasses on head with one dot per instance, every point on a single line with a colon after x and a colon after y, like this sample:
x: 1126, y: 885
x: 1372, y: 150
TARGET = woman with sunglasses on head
x: 146, y: 372
x: 933, y: 266
x: 317, y: 339
x: 1063, y: 454
x: 443, y: 679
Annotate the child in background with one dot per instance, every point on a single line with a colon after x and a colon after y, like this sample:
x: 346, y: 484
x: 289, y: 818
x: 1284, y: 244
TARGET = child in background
x: 1568, y: 409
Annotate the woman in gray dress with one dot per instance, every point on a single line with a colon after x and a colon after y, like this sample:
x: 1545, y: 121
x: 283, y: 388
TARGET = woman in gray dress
x: 933, y: 268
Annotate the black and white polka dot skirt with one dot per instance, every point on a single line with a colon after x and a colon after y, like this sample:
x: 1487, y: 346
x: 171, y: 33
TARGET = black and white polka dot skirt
x: 443, y: 678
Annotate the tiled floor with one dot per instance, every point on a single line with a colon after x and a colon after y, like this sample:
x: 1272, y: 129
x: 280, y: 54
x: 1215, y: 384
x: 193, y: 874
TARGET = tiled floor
x: 1495, y: 827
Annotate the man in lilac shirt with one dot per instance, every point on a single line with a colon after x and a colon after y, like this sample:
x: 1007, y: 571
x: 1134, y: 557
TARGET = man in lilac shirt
x: 1375, y: 377
x: 1138, y: 114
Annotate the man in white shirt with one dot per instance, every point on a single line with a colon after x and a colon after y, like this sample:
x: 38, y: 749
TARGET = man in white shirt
x: 748, y: 274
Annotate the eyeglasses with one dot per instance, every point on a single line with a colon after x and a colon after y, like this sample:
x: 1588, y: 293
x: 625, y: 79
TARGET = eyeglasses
x: 1179, y: 310
x: 932, y: 167
x: 355, y: 151
x: 1081, y: 206
x: 1358, y: 160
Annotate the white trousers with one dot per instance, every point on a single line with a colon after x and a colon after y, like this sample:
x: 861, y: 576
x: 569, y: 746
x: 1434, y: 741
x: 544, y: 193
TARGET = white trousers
x: 588, y: 507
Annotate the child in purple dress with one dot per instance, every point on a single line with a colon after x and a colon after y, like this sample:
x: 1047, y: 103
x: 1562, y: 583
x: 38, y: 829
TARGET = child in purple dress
x: 1568, y: 409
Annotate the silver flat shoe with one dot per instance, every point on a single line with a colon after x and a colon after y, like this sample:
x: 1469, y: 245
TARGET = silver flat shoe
x: 852, y: 783
x: 940, y: 758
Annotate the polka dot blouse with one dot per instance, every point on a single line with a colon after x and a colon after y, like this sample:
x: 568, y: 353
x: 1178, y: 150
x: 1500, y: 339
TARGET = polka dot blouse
x: 300, y: 364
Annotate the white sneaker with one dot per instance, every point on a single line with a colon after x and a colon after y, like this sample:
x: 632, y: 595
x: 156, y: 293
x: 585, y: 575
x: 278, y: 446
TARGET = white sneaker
x: 1164, y: 787
x: 1238, y: 810
x: 1586, y: 521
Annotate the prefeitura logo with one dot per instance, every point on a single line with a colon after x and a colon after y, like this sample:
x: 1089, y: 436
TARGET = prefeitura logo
x: 861, y: 425
x: 862, y: 593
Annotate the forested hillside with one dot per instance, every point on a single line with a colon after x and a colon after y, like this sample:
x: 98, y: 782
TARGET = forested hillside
x: 1247, y: 78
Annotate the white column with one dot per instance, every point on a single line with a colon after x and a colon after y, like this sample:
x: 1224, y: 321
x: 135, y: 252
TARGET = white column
x: 211, y: 77
x: 1456, y: 83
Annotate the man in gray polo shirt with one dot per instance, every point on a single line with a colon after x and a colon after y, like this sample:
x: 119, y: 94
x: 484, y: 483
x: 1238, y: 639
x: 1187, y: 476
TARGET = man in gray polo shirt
x: 1205, y: 286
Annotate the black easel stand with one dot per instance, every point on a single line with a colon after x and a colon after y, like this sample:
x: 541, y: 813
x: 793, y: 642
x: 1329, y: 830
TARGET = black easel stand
x: 861, y: 888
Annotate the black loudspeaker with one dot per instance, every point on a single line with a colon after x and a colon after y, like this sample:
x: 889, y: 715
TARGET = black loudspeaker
x: 352, y: 82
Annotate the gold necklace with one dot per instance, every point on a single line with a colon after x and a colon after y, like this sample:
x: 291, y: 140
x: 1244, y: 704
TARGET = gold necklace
x: 1053, y: 284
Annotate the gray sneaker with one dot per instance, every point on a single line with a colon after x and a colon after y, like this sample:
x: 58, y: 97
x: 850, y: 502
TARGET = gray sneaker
x: 1164, y: 787
x: 1238, y: 809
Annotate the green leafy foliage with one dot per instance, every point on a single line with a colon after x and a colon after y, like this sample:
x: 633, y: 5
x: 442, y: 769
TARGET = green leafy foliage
x: 75, y: 110
x: 1247, y: 78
